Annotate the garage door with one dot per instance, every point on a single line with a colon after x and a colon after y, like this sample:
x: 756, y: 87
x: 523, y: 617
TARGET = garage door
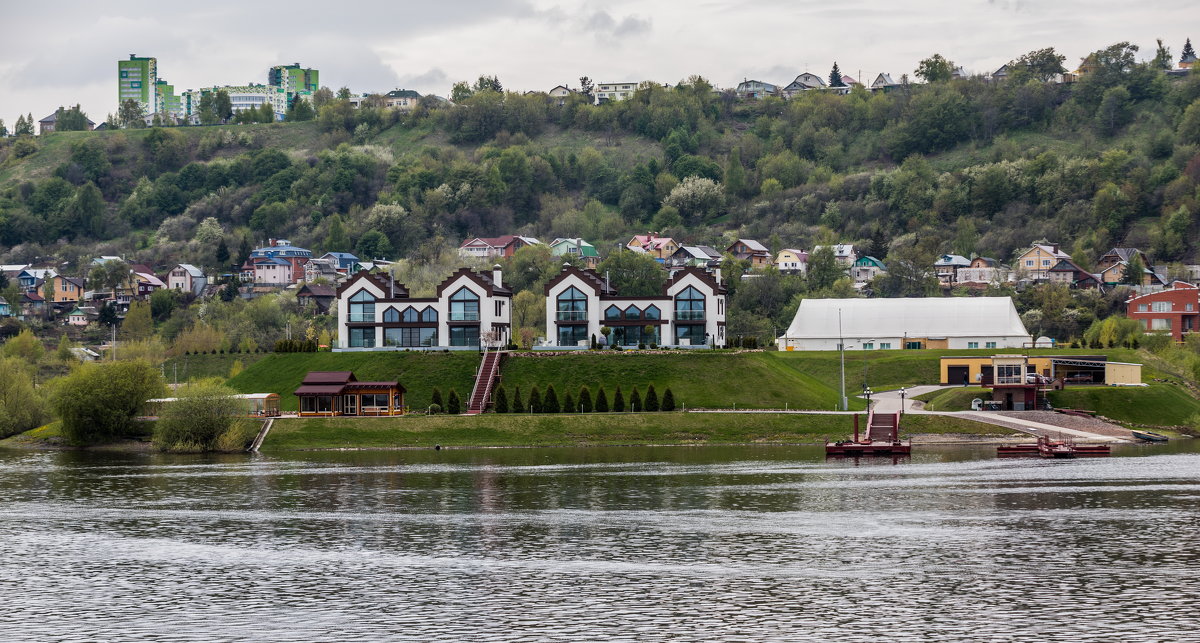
x: 956, y: 374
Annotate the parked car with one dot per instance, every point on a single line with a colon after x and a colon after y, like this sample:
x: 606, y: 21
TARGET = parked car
x: 1035, y: 378
x: 1078, y: 378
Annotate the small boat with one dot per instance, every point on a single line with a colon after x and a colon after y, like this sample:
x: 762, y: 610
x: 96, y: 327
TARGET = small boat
x: 1149, y: 436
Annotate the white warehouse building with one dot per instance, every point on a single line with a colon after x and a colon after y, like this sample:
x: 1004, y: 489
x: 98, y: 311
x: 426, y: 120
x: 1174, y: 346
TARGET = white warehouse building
x: 881, y: 324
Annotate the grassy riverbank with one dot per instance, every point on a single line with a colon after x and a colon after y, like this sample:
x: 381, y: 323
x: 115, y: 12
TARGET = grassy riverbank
x: 493, y: 430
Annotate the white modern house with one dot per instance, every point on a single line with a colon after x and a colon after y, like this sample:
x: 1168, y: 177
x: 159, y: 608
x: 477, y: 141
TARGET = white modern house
x: 690, y: 311
x: 917, y: 323
x: 376, y: 313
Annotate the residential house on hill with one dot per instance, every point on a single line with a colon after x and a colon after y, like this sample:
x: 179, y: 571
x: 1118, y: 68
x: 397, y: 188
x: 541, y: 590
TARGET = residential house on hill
x: 1068, y: 272
x: 752, y: 251
x: 947, y: 267
x: 690, y: 311
x: 698, y: 256
x: 1113, y: 265
x: 187, y: 278
x: 559, y: 94
x: 658, y: 247
x: 983, y: 272
x: 318, y: 297
x: 866, y: 268
x: 883, y: 83
x: 486, y: 247
x: 1035, y: 263
x: 68, y: 289
x: 78, y: 317
x: 843, y: 252
x: 323, y: 268
x: 343, y: 262
x: 803, y: 82
x: 47, y: 125
x: 5, y: 309
x: 402, y: 99
x: 1175, y: 310
x: 277, y: 263
x: 575, y: 248
x: 755, y: 89
x: 142, y: 283
x: 606, y: 92
x: 792, y: 261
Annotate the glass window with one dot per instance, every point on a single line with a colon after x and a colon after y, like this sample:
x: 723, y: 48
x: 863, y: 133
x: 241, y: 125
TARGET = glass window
x: 464, y: 306
x: 410, y: 315
x: 1143, y: 308
x: 362, y: 307
x: 572, y: 305
x: 694, y: 333
x: 867, y: 346
x: 633, y: 312
x: 1160, y: 324
x: 391, y: 316
x: 612, y: 312
x: 689, y: 305
x: 1190, y: 307
x: 362, y: 338
x: 652, y: 312
x: 429, y: 315
x: 572, y: 335
x: 634, y: 335
x: 883, y: 346
x: 464, y: 335
x: 1161, y: 306
x: 990, y: 345
x: 972, y: 344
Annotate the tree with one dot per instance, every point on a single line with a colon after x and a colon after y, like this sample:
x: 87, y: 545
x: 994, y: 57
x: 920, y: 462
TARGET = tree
x: 500, y: 401
x: 299, y: 110
x: 601, y: 401
x: 735, y: 175
x: 697, y: 199
x: 222, y: 106
x: 1040, y: 64
x: 550, y: 401
x: 668, y: 400
x: 651, y: 401
x: 343, y: 93
x: 585, y: 400
x: 98, y: 401
x: 535, y: 401
x: 436, y: 398
x: 569, y: 405
x: 21, y: 408
x: 635, y: 401
x: 374, y: 245
x: 835, y: 76
x: 206, y: 109
x: 64, y: 353
x: 222, y: 254
x: 460, y: 92
x: 137, y: 325
x: 25, y: 346
x: 1114, y: 111
x: 23, y: 127
x: 935, y: 69
x: 1162, y: 57
x: 3, y: 129
x: 70, y: 120
x: 453, y: 404
x: 823, y: 269
x: 201, y: 413
x: 1134, y: 271
x: 488, y: 83
x: 1188, y: 54
x: 131, y: 116
x: 618, y: 404
x: 633, y: 274
x: 336, y: 239
x: 517, y: 405
x: 587, y: 87
x: 321, y: 96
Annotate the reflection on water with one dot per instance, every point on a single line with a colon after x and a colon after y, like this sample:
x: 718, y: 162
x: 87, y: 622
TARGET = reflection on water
x: 714, y: 543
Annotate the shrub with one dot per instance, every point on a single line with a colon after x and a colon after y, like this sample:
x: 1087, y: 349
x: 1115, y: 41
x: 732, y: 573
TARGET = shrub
x: 21, y: 408
x: 651, y: 401
x: 434, y: 409
x: 618, y: 404
x: 668, y: 401
x: 98, y: 402
x: 500, y: 401
x: 550, y: 401
x: 585, y: 400
x: 601, y: 401
x: 516, y: 404
x: 635, y: 401
x: 436, y: 400
x: 535, y: 401
x: 569, y: 405
x: 453, y: 405
x: 201, y: 413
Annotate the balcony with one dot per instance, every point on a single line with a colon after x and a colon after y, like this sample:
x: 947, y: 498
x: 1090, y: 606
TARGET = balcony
x: 361, y: 317
x: 689, y: 315
x: 571, y: 315
x: 464, y: 316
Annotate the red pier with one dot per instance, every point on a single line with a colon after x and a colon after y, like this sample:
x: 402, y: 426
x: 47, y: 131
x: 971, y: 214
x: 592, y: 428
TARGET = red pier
x: 883, y: 438
x: 1053, y: 449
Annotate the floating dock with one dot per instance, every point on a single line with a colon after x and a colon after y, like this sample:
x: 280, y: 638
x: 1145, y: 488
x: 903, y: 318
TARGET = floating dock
x: 882, y: 438
x: 1053, y: 449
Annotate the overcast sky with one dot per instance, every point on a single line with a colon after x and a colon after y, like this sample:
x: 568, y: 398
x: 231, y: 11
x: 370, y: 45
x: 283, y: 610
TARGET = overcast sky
x: 67, y: 54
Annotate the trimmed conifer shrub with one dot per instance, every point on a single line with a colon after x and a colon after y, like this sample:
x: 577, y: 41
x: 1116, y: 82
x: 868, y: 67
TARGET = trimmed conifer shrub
x: 618, y: 404
x: 635, y: 401
x: 550, y: 401
x: 436, y: 400
x: 569, y: 405
x: 453, y: 405
x: 668, y: 401
x: 535, y: 401
x: 651, y: 401
x: 585, y: 400
x: 500, y: 401
x: 516, y: 404
x: 601, y: 401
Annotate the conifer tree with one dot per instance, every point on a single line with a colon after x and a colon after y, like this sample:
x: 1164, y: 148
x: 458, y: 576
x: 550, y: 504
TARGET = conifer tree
x: 436, y: 399
x: 635, y: 401
x: 222, y: 255
x: 668, y: 401
x: 516, y: 404
x: 64, y: 349
x: 550, y: 401
x: 500, y: 402
x: 735, y: 174
x: 569, y: 405
x: 651, y: 401
x: 1188, y: 52
x: 835, y: 76
x: 585, y: 400
x: 453, y: 404
x: 535, y: 401
x: 618, y: 404
x: 601, y: 401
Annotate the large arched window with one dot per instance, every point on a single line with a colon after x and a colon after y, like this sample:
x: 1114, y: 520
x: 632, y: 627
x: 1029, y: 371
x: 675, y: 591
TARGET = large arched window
x: 464, y: 305
x: 390, y: 316
x: 429, y: 315
x: 652, y: 312
x: 633, y: 312
x: 689, y: 305
x: 572, y: 305
x: 362, y: 306
x: 410, y: 315
x: 612, y: 313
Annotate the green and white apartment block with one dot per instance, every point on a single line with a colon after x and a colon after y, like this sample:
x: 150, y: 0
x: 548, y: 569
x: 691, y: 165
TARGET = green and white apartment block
x: 138, y: 79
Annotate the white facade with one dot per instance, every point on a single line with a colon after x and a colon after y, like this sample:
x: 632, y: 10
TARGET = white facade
x: 187, y: 278
x: 614, y: 91
x: 882, y: 324
x: 689, y: 312
x: 376, y: 313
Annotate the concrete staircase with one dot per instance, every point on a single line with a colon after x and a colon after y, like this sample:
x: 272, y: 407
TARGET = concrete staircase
x: 487, y: 378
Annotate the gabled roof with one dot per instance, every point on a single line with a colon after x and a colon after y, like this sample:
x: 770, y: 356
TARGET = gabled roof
x: 912, y: 317
x: 316, y: 290
x: 952, y: 260
x: 1052, y: 250
x: 402, y: 93
x: 700, y: 273
x: 750, y: 244
x: 191, y: 270
x: 53, y: 118
x: 704, y: 253
x: 151, y: 279
x: 482, y: 278
x: 883, y: 80
x: 384, y: 282
x: 329, y: 377
x: 590, y: 278
x: 867, y: 261
x: 1123, y: 254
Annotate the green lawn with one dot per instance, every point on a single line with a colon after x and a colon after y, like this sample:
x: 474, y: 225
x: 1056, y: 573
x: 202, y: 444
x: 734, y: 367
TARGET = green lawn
x: 418, y: 372
x: 593, y: 429
x: 188, y: 367
x: 955, y: 399
x: 1159, y: 403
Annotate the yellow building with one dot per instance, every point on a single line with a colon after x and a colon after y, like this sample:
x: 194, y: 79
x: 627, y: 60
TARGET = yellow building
x: 1036, y: 262
x: 1063, y: 369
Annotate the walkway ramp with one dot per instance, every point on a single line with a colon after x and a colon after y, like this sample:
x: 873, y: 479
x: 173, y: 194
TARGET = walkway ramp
x: 487, y: 378
x: 883, y: 427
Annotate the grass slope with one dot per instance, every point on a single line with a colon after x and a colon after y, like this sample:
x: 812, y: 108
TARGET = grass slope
x: 955, y: 399
x: 699, y: 379
x: 419, y: 373
x: 189, y: 367
x: 1159, y: 403
x: 593, y: 429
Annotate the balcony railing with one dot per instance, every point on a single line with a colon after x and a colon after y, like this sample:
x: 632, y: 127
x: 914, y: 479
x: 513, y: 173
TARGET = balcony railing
x: 461, y: 316
x: 689, y: 315
x: 361, y: 317
x: 572, y: 315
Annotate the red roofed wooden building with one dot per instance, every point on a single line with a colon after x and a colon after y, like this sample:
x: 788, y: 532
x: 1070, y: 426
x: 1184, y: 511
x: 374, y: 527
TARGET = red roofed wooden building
x: 326, y: 393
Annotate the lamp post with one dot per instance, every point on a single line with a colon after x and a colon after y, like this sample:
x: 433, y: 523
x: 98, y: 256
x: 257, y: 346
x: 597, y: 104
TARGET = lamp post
x: 842, y: 353
x: 903, y: 392
x: 867, y: 393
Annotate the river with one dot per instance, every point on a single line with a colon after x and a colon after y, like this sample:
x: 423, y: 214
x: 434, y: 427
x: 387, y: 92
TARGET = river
x: 632, y: 544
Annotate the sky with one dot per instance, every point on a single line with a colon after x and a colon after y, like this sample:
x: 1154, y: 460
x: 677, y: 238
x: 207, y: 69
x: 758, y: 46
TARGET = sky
x: 69, y: 55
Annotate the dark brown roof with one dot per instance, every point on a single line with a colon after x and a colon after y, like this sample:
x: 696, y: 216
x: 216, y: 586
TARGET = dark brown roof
x: 589, y: 276
x: 481, y: 278
x: 321, y: 389
x: 310, y: 290
x: 384, y: 282
x: 329, y: 377
x: 702, y: 274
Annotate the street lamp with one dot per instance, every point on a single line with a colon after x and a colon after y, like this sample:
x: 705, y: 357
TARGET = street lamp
x: 903, y: 392
x: 867, y: 393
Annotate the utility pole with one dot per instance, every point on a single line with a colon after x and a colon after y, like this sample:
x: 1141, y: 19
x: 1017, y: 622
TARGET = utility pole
x: 842, y: 351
